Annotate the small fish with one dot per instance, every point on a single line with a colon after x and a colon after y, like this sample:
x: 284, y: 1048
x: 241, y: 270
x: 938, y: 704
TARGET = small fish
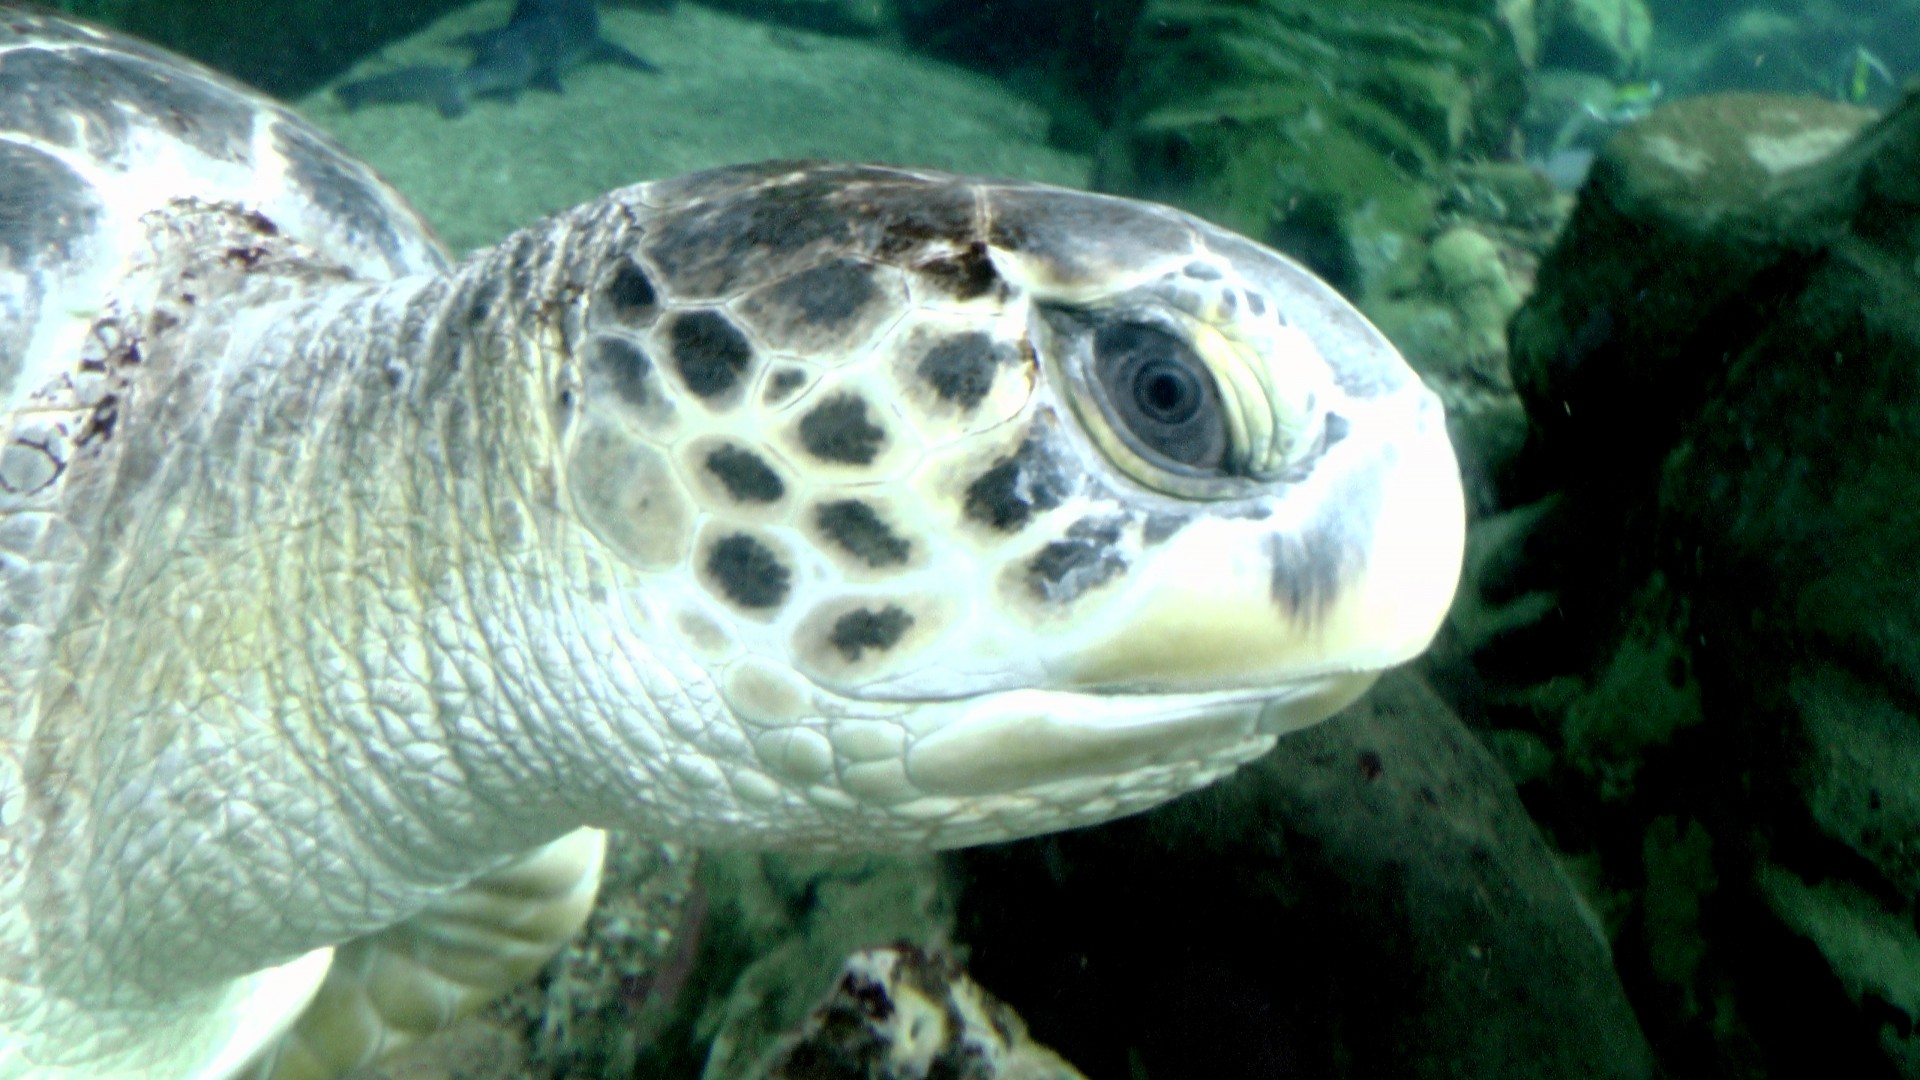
x: 1628, y: 102
x: 1861, y: 72
x: 542, y: 39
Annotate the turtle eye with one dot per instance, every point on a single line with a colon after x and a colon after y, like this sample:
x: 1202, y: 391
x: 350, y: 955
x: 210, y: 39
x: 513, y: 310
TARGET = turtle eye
x: 1161, y: 395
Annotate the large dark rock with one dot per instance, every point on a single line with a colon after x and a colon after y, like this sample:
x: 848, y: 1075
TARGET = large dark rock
x: 1722, y: 367
x: 1675, y: 250
x: 1369, y: 900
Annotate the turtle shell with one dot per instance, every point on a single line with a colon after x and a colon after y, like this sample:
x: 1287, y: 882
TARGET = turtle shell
x: 99, y: 131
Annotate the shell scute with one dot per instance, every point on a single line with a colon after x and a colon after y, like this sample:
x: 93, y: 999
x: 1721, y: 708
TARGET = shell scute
x: 742, y: 236
x: 105, y: 143
x: 107, y: 103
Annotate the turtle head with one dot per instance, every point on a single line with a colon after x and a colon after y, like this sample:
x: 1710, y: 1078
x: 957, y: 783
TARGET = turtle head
x: 989, y: 507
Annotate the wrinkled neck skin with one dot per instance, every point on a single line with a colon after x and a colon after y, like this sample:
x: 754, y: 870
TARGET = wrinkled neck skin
x: 340, y: 650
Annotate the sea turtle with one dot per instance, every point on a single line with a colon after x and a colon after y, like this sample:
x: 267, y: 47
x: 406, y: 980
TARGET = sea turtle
x: 344, y: 590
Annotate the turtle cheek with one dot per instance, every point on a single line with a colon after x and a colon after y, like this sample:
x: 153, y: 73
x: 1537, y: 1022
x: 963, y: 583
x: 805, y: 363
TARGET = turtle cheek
x: 1200, y: 616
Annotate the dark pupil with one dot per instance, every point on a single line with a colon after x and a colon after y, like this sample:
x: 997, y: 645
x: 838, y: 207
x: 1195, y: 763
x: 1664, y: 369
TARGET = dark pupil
x: 1166, y: 392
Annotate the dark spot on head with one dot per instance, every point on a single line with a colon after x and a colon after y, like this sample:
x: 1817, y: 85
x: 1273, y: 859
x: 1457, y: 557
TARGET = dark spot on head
x: 1065, y: 569
x: 1200, y: 271
x: 721, y: 245
x: 1027, y: 481
x: 961, y: 368
x: 783, y: 383
x: 1335, y: 429
x: 99, y: 423
x: 829, y: 308
x: 745, y: 474
x: 863, y: 629
x: 854, y: 526
x: 1256, y: 303
x: 624, y: 366
x: 1159, y: 527
x: 1308, y: 569
x: 930, y: 213
x: 1060, y: 560
x: 710, y: 352
x: 994, y: 497
x: 837, y: 429
x: 1098, y: 530
x: 628, y: 297
x: 724, y: 232
x: 827, y: 295
x: 748, y: 571
x: 964, y: 275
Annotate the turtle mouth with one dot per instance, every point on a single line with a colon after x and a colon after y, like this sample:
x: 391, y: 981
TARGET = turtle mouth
x: 1027, y: 738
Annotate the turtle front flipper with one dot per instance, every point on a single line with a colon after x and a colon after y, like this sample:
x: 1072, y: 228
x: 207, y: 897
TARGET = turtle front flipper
x: 408, y: 981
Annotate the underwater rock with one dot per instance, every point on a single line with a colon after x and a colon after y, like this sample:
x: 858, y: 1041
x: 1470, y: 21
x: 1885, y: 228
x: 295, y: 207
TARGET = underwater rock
x: 779, y: 932
x: 1370, y: 900
x: 1659, y: 263
x: 1467, y: 266
x: 900, y: 1013
x: 1721, y: 362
